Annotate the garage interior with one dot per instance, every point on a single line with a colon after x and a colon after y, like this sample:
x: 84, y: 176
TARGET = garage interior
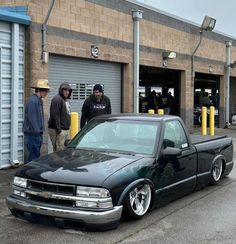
x: 232, y: 103
x: 162, y: 81
x: 209, y: 84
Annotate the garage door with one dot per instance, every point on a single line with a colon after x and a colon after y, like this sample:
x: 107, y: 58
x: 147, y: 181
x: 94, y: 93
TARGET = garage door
x: 11, y: 93
x: 82, y: 74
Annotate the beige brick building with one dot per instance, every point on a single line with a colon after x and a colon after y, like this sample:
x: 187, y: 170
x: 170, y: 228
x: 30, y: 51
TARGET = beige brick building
x: 75, y: 26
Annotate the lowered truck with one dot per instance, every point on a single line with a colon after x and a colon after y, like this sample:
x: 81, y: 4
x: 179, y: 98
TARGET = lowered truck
x: 119, y: 164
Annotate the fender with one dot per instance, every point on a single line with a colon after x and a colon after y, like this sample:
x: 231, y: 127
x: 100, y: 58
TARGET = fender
x: 133, y: 184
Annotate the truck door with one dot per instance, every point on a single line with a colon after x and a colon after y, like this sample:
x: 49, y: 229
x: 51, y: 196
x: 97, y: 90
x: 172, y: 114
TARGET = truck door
x: 177, y: 174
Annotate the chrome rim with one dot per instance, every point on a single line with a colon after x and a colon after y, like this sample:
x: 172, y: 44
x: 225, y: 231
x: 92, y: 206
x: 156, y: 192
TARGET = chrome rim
x: 140, y: 199
x: 217, y: 170
x: 200, y: 119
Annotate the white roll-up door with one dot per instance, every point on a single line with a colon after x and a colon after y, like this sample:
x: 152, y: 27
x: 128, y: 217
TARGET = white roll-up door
x: 11, y: 93
x: 82, y: 74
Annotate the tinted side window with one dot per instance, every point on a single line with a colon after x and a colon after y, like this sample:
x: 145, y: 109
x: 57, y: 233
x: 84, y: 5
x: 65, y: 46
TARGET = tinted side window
x: 174, y: 135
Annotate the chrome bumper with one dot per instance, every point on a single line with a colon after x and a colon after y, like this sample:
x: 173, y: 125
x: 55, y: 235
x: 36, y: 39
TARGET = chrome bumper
x: 87, y: 217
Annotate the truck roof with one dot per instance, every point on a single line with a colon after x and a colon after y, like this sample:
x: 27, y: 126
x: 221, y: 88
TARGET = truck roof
x: 140, y: 116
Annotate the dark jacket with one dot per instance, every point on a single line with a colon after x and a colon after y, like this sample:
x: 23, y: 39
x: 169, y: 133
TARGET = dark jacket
x: 92, y: 108
x: 59, y: 112
x: 34, y: 116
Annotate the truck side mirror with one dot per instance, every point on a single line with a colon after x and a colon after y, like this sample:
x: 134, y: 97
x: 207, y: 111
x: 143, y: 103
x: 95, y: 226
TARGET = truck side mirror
x: 171, y: 151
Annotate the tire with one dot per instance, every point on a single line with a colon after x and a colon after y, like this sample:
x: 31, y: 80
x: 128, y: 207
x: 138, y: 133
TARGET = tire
x: 138, y: 201
x: 216, y: 171
x: 200, y: 119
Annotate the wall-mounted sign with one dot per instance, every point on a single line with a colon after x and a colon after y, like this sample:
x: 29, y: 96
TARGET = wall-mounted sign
x: 94, y: 51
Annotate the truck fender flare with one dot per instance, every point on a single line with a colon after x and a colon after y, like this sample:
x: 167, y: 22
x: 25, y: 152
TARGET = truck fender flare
x: 133, y: 184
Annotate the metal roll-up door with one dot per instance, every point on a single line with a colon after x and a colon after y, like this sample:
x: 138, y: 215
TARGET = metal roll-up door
x: 11, y: 93
x: 82, y: 74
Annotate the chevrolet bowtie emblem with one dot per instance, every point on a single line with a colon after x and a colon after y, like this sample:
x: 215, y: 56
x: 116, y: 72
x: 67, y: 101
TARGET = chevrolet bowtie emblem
x: 46, y: 195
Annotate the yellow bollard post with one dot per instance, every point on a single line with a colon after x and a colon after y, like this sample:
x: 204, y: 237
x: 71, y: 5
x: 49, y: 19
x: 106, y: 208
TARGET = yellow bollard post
x: 151, y: 111
x: 160, y: 111
x: 204, y: 121
x: 212, y: 121
x: 74, y: 127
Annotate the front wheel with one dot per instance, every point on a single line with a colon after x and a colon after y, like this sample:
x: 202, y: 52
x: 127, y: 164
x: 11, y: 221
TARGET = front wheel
x: 216, y: 171
x: 138, y: 201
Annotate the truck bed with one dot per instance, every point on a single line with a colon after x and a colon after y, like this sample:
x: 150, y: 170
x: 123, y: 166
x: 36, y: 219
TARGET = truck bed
x: 196, y: 139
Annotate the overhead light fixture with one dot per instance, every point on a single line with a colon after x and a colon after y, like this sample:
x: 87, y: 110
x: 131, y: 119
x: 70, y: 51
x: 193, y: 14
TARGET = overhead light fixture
x: 167, y: 55
x: 233, y: 65
x: 208, y: 23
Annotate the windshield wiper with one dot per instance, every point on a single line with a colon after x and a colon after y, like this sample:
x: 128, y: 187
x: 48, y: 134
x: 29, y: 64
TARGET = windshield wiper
x: 120, y: 152
x: 107, y: 150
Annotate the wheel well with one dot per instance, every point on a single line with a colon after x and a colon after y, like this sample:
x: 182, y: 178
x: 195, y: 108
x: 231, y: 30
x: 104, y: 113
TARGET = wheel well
x: 223, y: 166
x: 133, y: 184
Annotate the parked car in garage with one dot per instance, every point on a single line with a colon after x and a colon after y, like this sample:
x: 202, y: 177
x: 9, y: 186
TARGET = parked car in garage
x: 197, y: 115
x: 119, y: 164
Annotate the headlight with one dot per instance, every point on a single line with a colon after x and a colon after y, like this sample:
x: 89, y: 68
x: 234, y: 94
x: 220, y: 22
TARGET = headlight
x: 93, y: 197
x: 83, y: 191
x: 21, y: 182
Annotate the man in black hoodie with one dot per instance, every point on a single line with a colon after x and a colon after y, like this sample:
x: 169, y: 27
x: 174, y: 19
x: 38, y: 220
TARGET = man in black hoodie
x: 96, y: 104
x: 59, y: 121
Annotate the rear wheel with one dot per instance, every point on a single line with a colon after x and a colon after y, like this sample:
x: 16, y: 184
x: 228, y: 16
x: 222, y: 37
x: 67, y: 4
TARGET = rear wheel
x: 216, y: 171
x: 138, y: 201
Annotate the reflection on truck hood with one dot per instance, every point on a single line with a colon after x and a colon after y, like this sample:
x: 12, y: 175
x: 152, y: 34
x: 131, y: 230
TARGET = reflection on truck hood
x: 82, y: 167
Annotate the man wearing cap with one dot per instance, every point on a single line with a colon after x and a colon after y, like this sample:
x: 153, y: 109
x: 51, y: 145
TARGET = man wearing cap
x: 34, y: 119
x: 96, y: 104
x: 59, y: 121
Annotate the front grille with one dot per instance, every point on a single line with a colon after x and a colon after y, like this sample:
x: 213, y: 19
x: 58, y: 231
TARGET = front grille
x: 51, y: 187
x: 51, y: 201
x: 37, y: 188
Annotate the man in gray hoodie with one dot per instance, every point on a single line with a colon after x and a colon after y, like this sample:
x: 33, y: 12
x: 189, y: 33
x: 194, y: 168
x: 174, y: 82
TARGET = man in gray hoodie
x: 59, y: 121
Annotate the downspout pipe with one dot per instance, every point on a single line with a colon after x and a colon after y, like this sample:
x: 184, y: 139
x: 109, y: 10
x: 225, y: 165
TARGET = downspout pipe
x: 137, y: 16
x: 227, y: 87
x: 44, y: 31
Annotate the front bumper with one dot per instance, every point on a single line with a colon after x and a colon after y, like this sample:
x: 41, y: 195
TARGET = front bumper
x: 96, y: 218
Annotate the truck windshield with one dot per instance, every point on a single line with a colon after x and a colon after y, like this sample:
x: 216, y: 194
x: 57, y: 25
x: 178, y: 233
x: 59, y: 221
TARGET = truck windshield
x: 118, y: 135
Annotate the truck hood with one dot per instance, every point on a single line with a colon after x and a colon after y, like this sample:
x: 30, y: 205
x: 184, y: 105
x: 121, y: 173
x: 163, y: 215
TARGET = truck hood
x: 76, y: 166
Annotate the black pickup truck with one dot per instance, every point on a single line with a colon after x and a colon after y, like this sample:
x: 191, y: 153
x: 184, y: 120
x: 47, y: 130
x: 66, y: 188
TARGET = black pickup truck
x: 118, y: 164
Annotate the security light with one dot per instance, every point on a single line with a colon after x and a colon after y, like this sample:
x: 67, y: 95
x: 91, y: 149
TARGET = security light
x: 168, y: 55
x: 233, y: 65
x: 208, y: 23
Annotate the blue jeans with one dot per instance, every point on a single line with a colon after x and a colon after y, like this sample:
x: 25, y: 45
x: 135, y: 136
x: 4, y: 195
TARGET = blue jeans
x: 33, y: 143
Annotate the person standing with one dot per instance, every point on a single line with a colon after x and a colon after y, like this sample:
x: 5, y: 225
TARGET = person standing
x: 96, y: 104
x: 59, y: 121
x: 205, y: 101
x: 33, y: 127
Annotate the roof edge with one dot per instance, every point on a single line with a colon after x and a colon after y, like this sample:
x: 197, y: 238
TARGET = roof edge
x: 15, y: 14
